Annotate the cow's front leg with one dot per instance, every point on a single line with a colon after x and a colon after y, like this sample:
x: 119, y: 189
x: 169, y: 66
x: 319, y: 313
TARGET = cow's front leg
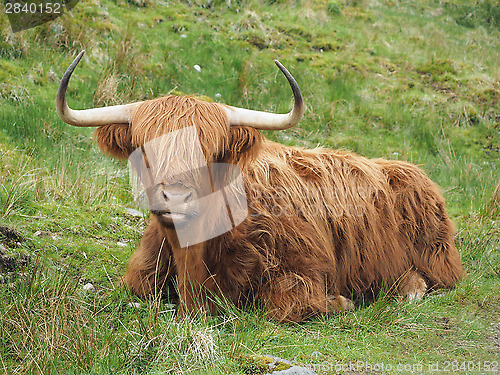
x: 194, y: 281
x: 151, y: 267
x: 292, y: 297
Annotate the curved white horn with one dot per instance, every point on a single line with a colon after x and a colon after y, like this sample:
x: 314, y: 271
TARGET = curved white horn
x: 118, y: 114
x: 266, y: 120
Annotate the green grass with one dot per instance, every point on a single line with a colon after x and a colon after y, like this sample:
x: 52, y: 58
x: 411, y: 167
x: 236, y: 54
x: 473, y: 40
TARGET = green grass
x: 416, y: 81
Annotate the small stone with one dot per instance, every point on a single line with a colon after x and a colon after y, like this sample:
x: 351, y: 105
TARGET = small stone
x: 133, y: 212
x: 89, y: 287
x: 135, y: 305
x: 197, y: 68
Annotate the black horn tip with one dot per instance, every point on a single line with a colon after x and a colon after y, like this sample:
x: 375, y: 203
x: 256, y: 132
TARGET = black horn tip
x: 280, y: 65
x: 76, y: 60
x: 293, y: 84
x: 82, y: 52
x: 61, y: 94
x: 74, y: 64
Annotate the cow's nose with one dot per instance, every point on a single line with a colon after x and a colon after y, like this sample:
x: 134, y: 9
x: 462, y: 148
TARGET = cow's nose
x: 177, y: 195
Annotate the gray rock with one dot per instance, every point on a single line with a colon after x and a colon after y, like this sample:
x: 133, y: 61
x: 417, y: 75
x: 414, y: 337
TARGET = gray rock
x: 291, y: 370
x: 133, y: 212
x: 294, y: 370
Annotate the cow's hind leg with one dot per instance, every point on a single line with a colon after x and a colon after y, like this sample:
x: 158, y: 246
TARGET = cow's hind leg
x: 436, y: 256
x: 438, y: 259
x: 441, y: 265
x: 425, y: 225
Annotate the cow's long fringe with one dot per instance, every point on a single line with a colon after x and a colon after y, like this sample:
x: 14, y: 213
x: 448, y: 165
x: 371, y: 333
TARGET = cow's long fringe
x: 154, y: 118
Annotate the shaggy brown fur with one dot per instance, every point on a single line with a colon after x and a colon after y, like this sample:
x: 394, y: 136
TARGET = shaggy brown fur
x: 324, y: 226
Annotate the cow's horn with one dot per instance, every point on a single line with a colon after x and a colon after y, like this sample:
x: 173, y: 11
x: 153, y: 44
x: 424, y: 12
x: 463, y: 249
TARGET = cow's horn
x: 270, y: 121
x: 118, y: 114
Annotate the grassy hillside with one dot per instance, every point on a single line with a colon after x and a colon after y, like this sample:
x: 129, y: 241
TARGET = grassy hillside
x: 416, y: 81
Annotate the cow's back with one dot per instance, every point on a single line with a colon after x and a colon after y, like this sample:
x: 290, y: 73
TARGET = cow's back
x: 368, y: 221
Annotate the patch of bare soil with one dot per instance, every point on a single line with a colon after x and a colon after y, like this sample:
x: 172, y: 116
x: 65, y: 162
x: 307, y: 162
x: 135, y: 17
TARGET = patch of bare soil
x: 10, y: 238
x: 495, y: 338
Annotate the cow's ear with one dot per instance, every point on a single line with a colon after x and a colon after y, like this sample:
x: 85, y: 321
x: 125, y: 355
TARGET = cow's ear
x: 115, y: 140
x: 244, y: 142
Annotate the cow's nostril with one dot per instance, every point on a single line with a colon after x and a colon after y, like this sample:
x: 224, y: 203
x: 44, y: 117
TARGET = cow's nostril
x: 176, y: 196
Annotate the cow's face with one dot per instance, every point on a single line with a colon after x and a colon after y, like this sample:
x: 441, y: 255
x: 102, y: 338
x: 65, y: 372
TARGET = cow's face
x: 176, y: 145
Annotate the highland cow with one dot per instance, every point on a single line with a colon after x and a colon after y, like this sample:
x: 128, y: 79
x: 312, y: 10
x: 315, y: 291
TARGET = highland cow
x: 323, y: 227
